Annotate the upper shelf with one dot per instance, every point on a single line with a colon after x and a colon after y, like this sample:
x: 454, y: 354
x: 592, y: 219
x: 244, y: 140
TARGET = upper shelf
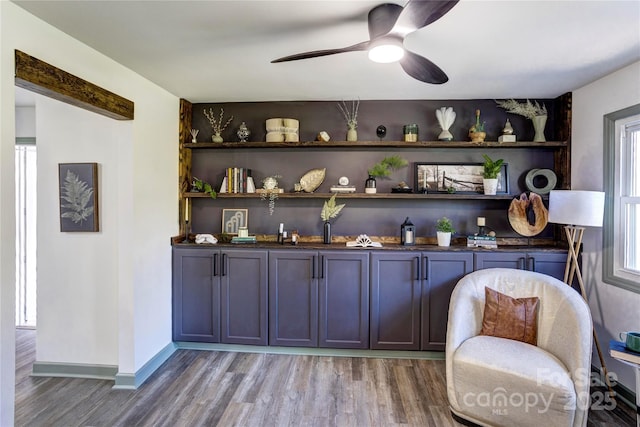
x: 380, y: 144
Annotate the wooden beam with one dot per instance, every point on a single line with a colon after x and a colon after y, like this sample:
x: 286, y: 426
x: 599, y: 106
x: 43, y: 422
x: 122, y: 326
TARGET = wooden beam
x: 45, y: 79
x: 184, y: 158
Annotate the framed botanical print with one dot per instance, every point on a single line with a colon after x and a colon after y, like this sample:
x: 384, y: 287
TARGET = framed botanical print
x: 78, y: 183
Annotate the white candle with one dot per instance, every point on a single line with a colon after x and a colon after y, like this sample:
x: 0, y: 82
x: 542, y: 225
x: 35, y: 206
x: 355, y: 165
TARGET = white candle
x: 186, y: 209
x: 481, y: 221
x: 281, y: 228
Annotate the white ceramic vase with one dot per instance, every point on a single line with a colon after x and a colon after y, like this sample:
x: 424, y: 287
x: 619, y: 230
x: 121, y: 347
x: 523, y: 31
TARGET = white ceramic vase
x: 490, y: 186
x: 444, y: 238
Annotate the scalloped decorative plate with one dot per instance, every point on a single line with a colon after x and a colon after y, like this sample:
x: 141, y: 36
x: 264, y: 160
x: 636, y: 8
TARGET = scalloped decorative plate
x: 311, y: 180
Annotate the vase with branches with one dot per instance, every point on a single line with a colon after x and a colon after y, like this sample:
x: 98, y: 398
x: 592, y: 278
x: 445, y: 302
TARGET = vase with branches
x: 531, y: 110
x: 217, y: 124
x: 351, y: 116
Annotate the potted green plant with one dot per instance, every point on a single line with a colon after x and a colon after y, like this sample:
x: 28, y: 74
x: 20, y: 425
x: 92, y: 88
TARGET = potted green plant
x: 383, y: 169
x: 329, y: 210
x: 491, y: 170
x: 444, y: 230
x: 201, y: 186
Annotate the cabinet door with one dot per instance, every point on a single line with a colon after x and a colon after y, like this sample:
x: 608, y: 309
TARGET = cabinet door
x: 395, y: 301
x: 344, y: 299
x: 500, y: 259
x: 552, y: 264
x: 441, y: 272
x: 196, y: 296
x: 243, y: 292
x: 293, y: 298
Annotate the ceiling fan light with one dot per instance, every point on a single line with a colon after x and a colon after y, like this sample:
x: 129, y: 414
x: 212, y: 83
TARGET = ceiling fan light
x: 386, y: 53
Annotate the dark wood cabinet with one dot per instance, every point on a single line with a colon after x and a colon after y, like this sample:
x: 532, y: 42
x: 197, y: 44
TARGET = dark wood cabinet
x: 293, y: 298
x: 243, y: 297
x: 440, y: 274
x: 196, y: 296
x: 220, y: 296
x: 359, y: 299
x: 343, y: 299
x: 395, y: 300
x: 552, y: 264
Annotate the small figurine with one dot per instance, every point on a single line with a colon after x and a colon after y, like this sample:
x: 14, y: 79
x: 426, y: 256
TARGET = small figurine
x: 243, y: 132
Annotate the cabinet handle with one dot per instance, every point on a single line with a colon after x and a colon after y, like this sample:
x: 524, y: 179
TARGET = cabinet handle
x: 223, y: 264
x: 532, y: 264
x: 313, y: 267
x: 417, y: 268
x: 215, y: 264
x: 321, y: 267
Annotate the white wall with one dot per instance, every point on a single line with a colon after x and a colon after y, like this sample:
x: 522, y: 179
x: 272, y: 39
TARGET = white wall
x: 25, y: 122
x: 614, y: 309
x: 146, y: 186
x: 77, y: 270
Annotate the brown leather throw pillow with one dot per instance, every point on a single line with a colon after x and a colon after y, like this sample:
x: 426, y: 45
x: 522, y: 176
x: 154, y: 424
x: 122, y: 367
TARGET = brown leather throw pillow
x: 512, y: 318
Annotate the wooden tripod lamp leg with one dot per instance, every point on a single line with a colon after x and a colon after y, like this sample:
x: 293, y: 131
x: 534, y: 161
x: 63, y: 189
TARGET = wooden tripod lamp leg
x: 574, y: 239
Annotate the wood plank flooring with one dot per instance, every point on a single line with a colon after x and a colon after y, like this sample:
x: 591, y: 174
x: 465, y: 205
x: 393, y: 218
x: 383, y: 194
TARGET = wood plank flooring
x: 205, y: 388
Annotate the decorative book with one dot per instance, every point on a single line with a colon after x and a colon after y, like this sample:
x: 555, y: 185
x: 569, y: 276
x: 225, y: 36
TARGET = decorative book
x: 620, y: 351
x: 363, y: 241
x: 249, y: 239
x: 476, y: 241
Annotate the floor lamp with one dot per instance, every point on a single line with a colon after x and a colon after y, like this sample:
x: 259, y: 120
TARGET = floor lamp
x: 577, y: 210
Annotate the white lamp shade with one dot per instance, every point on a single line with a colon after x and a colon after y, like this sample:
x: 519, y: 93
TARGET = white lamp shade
x: 581, y: 208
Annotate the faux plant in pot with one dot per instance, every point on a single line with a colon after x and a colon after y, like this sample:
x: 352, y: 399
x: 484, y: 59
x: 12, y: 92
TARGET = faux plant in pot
x: 383, y: 169
x: 476, y: 132
x: 490, y: 174
x: 444, y: 229
x: 329, y: 210
x: 201, y: 186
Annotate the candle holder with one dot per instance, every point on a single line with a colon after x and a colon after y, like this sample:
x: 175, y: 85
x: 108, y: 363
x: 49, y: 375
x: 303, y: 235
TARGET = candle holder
x: 186, y: 231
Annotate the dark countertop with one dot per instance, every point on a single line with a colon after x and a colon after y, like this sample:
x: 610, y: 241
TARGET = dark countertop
x: 385, y: 247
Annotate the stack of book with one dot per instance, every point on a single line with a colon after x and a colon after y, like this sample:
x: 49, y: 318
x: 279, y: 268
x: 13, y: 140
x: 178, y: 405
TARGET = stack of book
x: 620, y: 351
x: 248, y: 239
x: 343, y: 188
x: 477, y: 241
x: 235, y: 180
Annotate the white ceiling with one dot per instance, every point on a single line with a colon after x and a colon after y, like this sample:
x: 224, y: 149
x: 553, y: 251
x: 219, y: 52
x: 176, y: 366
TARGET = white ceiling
x: 220, y: 51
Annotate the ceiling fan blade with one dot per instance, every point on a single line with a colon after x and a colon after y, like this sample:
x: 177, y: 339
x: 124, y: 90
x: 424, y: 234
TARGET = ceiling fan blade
x: 382, y: 18
x: 420, y: 13
x: 420, y: 68
x: 316, y: 53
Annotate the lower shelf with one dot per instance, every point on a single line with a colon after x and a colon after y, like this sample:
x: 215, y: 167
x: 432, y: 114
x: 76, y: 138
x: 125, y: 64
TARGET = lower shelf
x: 391, y: 196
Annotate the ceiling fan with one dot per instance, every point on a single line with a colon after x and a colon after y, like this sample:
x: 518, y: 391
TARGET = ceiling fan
x: 389, y: 24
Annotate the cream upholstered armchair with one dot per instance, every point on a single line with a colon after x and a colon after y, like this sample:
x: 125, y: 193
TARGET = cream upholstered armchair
x: 503, y: 382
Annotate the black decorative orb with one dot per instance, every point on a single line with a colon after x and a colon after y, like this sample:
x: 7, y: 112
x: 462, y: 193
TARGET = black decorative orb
x: 381, y: 131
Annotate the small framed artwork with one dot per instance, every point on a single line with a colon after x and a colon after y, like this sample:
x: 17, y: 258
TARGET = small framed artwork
x: 456, y: 178
x: 78, y: 183
x: 233, y: 219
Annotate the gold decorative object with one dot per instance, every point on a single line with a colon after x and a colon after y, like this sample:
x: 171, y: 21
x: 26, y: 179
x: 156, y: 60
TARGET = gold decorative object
x: 311, y: 180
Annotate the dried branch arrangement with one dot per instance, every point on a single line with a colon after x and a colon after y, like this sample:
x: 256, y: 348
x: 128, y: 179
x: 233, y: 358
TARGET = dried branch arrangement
x: 527, y: 109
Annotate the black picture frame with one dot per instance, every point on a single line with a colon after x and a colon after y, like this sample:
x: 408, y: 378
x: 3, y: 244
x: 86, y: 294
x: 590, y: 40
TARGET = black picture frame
x: 78, y: 198
x: 463, y: 178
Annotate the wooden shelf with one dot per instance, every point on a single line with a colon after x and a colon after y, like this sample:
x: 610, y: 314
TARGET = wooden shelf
x: 378, y: 144
x: 394, y: 196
